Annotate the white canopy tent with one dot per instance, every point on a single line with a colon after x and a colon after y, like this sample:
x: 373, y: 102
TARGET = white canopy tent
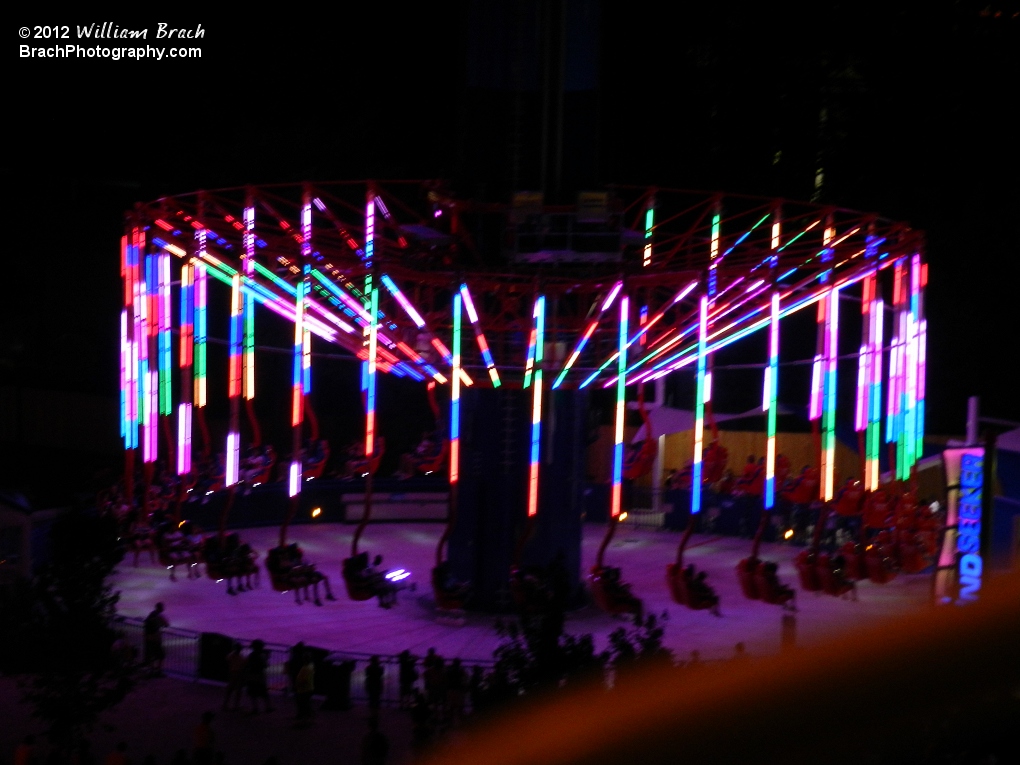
x: 665, y: 420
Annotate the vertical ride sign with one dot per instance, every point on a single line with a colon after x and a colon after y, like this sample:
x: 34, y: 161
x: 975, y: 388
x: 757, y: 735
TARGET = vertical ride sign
x: 959, y: 574
x: 968, y: 535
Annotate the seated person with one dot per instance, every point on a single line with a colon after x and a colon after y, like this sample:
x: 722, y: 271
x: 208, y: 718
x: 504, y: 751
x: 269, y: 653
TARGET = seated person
x: 619, y: 591
x: 139, y: 534
x: 752, y: 482
x: 770, y: 574
x: 530, y: 590
x: 173, y: 548
x: 251, y: 466
x: 443, y: 578
x: 685, y: 478
x: 315, y: 454
x: 704, y: 591
x: 359, y: 464
x: 714, y: 459
x: 726, y: 483
x: 425, y: 453
x: 288, y: 566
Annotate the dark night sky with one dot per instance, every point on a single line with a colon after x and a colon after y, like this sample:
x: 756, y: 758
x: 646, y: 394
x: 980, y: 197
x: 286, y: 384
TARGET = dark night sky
x: 920, y: 128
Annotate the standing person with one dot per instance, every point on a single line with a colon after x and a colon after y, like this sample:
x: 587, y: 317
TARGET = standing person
x: 456, y: 685
x: 204, y: 737
x: 152, y: 629
x: 408, y: 676
x: 255, y: 676
x: 304, y: 686
x: 433, y: 676
x: 294, y: 663
x: 374, y: 673
x: 375, y: 746
x: 235, y: 677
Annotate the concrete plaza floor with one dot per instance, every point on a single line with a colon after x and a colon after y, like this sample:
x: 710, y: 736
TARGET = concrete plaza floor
x: 363, y: 627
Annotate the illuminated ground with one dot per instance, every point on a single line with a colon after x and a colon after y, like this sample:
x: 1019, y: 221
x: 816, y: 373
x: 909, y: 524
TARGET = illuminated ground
x: 203, y: 605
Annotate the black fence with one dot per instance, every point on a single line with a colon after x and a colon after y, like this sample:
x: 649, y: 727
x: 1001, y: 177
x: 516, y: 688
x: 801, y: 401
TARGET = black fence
x: 339, y: 675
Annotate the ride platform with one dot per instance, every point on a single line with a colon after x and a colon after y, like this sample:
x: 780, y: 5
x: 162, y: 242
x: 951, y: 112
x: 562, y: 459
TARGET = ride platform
x: 362, y: 627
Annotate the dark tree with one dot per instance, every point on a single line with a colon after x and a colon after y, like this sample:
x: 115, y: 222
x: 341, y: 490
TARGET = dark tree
x: 63, y: 645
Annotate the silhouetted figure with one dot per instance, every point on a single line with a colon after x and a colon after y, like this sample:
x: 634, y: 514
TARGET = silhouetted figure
x: 152, y: 630
x: 255, y: 676
x: 374, y: 674
x: 408, y: 677
x: 304, y: 687
x: 235, y: 677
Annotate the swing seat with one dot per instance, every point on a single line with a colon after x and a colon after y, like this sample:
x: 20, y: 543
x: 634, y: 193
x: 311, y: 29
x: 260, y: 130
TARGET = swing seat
x: 613, y: 597
x: 686, y: 592
x: 448, y: 599
x: 832, y: 577
x: 714, y: 463
x: 640, y: 460
x: 856, y: 568
x: 358, y: 587
x: 529, y: 595
x: 848, y: 503
x: 807, y: 572
x: 431, y: 463
x: 747, y: 571
x: 315, y: 468
x: 880, y: 560
x: 770, y: 588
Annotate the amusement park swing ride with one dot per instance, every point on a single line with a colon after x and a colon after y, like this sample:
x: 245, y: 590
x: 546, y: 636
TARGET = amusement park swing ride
x: 648, y: 283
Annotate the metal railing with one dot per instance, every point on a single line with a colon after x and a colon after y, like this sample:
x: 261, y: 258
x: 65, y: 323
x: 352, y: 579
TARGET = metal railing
x: 183, y: 658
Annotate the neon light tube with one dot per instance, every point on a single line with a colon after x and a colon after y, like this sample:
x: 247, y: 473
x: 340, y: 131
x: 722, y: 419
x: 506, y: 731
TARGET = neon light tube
x: 201, y: 298
x: 373, y: 308
x: 743, y: 237
x: 369, y: 245
x: 817, y: 378
x: 150, y: 359
x: 589, y: 331
x: 455, y: 392
x: 536, y: 407
x: 306, y: 254
x: 771, y: 388
x: 529, y: 367
x: 611, y: 297
x: 185, y: 362
x: 353, y: 305
x: 714, y: 253
x: 373, y: 349
x: 699, y: 406
x: 641, y: 333
x: 483, y: 346
x: 183, y: 438
x: 829, y: 417
x: 649, y: 227
x: 873, y: 437
x: 404, y: 302
x: 234, y: 362
x: 248, y: 266
x: 165, y: 339
x: 689, y: 354
x: 621, y: 395
x: 297, y: 373
x: 125, y: 354
x: 893, y: 418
